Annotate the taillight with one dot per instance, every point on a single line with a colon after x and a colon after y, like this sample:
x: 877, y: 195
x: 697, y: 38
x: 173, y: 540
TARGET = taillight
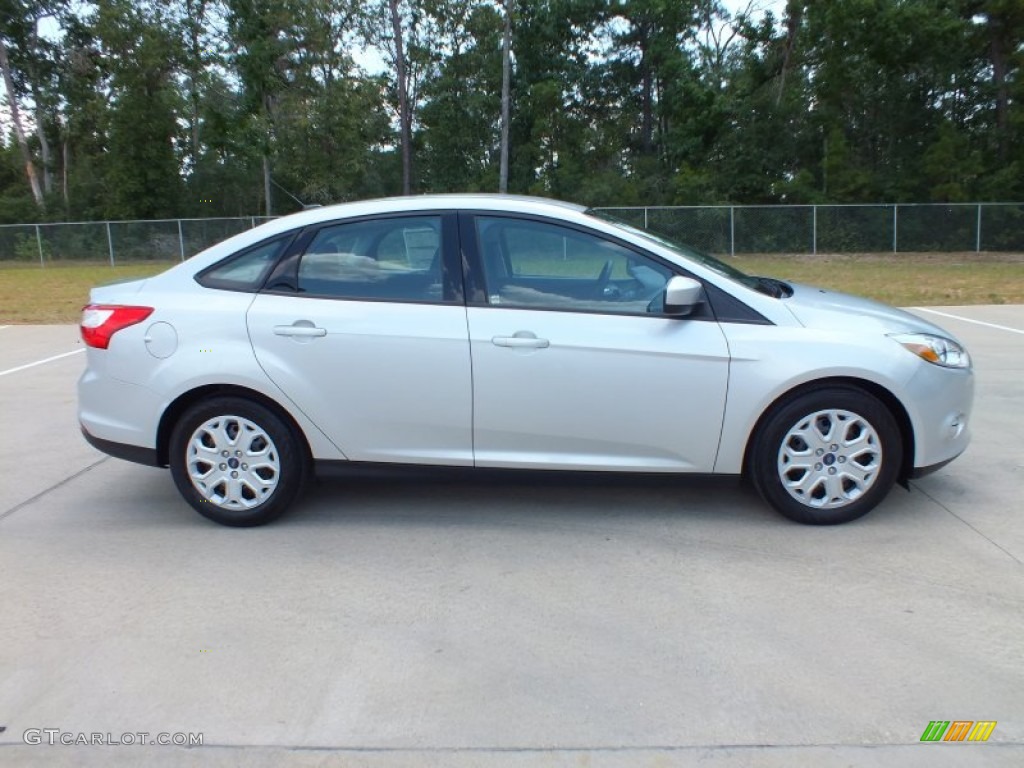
x: 101, y: 321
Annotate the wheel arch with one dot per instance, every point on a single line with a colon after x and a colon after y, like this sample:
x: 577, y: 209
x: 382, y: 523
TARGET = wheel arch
x: 880, y: 393
x: 186, y: 400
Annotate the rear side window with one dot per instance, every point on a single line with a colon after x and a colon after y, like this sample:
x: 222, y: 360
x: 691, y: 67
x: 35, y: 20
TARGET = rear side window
x: 390, y: 259
x: 245, y: 271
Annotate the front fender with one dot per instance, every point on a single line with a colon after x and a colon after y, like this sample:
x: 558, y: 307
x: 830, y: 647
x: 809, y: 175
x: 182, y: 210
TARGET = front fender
x: 768, y: 362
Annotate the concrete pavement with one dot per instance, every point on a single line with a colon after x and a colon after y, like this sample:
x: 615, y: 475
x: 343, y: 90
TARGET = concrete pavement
x: 505, y: 622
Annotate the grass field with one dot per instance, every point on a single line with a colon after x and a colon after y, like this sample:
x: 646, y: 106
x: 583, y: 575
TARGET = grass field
x: 56, y: 294
x: 904, y: 279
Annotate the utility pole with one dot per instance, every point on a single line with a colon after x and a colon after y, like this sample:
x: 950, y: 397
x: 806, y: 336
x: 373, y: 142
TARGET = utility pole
x: 506, y: 87
x: 266, y: 183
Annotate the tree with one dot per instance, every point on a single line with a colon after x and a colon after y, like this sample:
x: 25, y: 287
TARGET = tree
x: 334, y: 125
x: 554, y: 124
x: 19, y: 130
x: 142, y: 169
x: 647, y: 47
x: 459, y: 125
x: 400, y: 31
x: 85, y: 115
x: 263, y: 37
x: 19, y: 34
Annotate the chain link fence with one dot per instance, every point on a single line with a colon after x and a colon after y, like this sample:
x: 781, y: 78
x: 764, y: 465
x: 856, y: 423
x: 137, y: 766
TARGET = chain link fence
x: 809, y: 229
x: 115, y: 242
x: 728, y: 229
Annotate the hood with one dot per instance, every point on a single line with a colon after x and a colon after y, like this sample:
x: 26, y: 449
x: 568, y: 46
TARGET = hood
x: 829, y: 310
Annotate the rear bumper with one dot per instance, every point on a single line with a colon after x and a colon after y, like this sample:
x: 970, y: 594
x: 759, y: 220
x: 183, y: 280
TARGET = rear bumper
x: 135, y: 453
x: 116, y: 412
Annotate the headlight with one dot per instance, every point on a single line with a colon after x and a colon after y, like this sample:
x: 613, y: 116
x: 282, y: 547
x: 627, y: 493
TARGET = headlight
x: 935, y: 349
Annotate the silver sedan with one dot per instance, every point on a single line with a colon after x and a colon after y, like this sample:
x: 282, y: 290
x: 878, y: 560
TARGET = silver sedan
x: 512, y: 333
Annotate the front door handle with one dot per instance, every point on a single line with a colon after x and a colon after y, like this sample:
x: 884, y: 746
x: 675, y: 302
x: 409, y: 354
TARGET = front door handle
x: 521, y: 340
x: 304, y: 331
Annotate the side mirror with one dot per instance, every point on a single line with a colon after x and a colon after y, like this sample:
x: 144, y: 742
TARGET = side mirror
x: 682, y: 295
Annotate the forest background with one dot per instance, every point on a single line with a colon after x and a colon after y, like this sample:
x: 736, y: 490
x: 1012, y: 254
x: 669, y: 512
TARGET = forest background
x: 181, y: 108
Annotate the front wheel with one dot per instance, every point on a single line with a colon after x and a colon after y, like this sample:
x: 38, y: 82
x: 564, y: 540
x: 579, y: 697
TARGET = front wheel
x: 235, y: 461
x: 827, y: 457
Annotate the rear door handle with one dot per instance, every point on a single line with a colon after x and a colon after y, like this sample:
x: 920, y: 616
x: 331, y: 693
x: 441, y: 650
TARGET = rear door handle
x: 305, y: 331
x: 521, y: 340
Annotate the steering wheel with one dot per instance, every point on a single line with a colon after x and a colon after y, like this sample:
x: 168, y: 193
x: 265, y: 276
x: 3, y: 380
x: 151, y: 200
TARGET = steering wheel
x: 603, y: 279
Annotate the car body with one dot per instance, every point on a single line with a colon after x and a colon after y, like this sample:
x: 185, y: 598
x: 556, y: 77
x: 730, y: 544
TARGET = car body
x: 507, y: 332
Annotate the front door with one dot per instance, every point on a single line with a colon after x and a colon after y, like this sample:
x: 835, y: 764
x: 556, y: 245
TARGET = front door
x: 574, y: 367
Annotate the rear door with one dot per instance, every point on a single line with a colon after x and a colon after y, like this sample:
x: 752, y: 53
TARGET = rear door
x: 364, y: 329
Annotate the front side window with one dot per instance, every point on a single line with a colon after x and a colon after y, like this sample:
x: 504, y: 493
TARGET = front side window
x: 536, y: 265
x: 395, y: 259
x: 686, y: 251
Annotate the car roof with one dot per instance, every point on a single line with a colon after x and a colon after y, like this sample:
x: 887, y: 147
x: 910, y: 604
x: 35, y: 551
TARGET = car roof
x: 478, y: 201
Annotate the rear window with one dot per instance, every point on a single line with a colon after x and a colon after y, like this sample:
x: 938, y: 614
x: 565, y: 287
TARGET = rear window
x: 244, y: 271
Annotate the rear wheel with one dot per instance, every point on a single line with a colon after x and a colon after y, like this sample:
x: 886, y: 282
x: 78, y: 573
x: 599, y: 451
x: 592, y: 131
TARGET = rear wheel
x: 236, y: 462
x: 827, y: 457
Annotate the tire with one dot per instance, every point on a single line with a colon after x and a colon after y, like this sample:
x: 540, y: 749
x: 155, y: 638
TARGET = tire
x: 826, y: 457
x: 225, y: 487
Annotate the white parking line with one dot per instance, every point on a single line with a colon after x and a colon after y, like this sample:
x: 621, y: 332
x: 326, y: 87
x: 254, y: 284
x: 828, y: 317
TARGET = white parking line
x: 40, y: 362
x: 4, y: 326
x: 969, y: 320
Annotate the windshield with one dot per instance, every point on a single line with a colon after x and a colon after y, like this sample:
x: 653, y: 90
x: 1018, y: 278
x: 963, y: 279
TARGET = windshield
x: 686, y: 251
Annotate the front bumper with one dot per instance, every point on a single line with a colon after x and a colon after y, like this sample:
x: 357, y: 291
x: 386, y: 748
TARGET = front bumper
x: 939, y: 401
x: 919, y: 472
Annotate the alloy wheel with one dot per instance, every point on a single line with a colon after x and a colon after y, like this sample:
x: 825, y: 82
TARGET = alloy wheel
x: 233, y: 463
x: 830, y: 459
